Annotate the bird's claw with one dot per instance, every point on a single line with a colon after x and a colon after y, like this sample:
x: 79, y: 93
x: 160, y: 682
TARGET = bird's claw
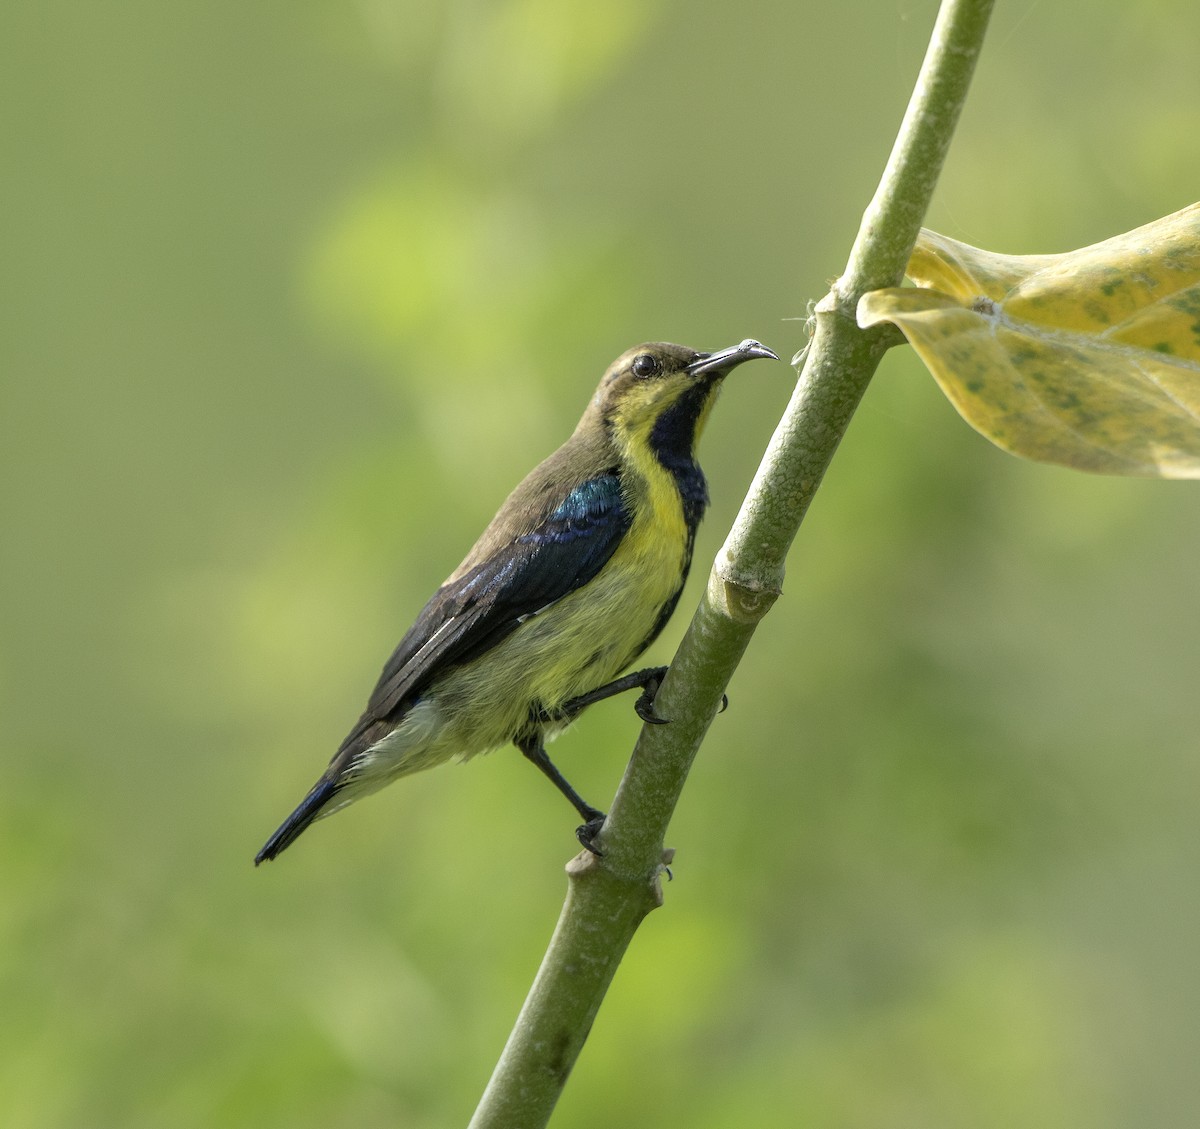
x: 644, y: 706
x: 586, y: 834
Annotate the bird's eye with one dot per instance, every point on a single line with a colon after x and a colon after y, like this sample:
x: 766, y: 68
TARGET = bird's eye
x: 645, y: 365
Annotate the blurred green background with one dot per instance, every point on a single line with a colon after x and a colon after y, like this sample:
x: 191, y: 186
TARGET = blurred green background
x: 292, y: 295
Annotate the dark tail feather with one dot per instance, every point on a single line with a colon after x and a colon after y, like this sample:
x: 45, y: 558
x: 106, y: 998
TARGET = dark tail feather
x: 310, y: 807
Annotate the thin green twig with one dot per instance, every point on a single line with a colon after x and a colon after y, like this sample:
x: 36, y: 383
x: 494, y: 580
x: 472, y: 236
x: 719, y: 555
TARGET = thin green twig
x: 607, y: 899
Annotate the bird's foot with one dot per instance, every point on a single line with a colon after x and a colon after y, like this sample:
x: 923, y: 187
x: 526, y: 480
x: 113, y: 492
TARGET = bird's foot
x: 586, y: 832
x: 644, y: 706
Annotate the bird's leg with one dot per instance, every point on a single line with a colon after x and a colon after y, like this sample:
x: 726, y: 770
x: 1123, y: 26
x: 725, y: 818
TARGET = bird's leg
x: 648, y: 679
x: 530, y: 744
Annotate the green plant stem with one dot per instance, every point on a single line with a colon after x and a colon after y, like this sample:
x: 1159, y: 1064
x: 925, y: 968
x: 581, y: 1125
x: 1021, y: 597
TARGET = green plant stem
x: 607, y: 898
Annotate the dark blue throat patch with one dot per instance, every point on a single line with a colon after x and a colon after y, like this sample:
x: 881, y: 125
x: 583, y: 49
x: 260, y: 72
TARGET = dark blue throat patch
x: 672, y: 440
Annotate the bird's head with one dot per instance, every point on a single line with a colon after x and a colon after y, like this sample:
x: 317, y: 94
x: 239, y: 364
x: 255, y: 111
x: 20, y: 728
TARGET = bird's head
x: 659, y: 395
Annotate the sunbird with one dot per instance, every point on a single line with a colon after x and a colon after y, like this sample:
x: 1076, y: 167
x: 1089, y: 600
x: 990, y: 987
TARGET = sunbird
x: 573, y: 579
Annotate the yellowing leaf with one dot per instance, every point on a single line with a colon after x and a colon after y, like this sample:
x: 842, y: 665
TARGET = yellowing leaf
x: 1090, y: 359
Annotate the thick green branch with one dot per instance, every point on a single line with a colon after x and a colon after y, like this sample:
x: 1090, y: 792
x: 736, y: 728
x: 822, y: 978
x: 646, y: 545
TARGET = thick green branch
x: 608, y: 898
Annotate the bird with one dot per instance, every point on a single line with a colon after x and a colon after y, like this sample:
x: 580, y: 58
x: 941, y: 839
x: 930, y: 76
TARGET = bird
x: 575, y: 576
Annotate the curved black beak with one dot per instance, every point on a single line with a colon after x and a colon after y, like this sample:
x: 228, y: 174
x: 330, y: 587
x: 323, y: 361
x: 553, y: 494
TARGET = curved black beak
x: 727, y: 359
